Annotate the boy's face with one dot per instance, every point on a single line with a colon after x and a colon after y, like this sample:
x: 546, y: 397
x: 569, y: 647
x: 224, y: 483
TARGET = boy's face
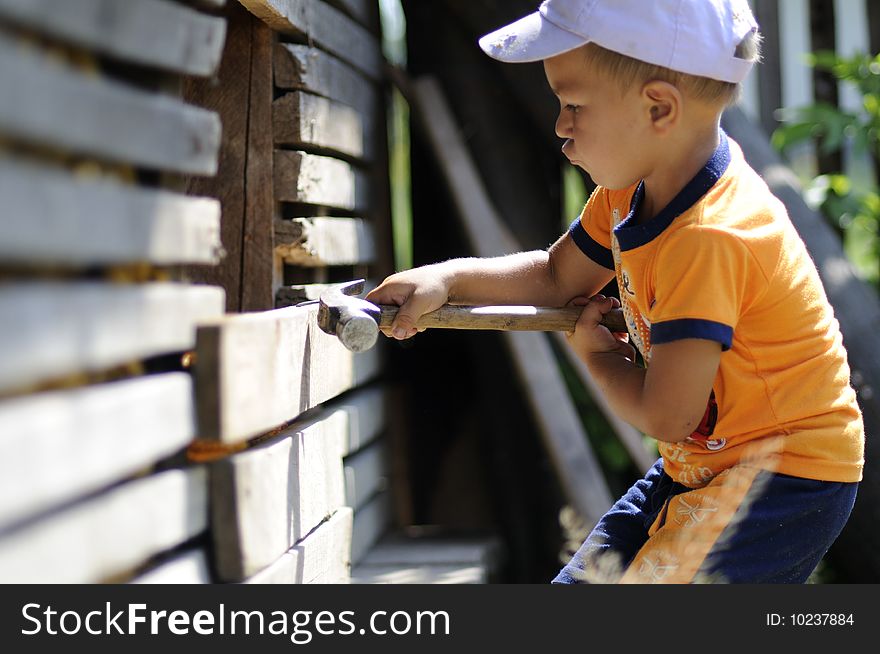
x: 604, y: 128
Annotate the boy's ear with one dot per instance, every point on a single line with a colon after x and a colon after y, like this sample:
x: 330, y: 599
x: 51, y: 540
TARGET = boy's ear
x: 664, y: 102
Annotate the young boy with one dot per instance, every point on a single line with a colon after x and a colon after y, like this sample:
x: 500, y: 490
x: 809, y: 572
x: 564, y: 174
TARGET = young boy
x: 746, y: 386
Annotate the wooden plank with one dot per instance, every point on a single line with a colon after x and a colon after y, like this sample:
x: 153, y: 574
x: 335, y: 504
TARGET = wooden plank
x: 415, y: 573
x: 258, y: 371
x: 365, y: 413
x: 52, y: 329
x: 797, y: 76
x: 304, y: 120
x: 370, y: 523
x: 109, y: 534
x: 360, y: 10
x: 152, y: 33
x: 318, y: 23
x: 315, y: 242
x: 309, y: 69
x: 267, y: 498
x: 52, y: 217
x: 258, y: 262
x: 313, y: 179
x: 61, y: 445
x: 53, y: 105
x: 366, y: 473
x: 563, y: 433
x: 230, y: 100
x: 322, y: 557
x: 190, y: 567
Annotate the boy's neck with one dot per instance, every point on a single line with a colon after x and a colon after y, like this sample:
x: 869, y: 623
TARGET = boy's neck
x: 672, y: 174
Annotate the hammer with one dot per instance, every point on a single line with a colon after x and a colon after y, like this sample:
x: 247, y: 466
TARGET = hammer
x: 357, y: 322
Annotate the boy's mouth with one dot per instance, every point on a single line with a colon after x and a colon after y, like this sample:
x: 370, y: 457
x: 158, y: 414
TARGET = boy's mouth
x: 568, y: 150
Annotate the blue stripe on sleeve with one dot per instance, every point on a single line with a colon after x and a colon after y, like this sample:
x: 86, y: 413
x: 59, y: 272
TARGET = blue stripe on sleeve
x: 598, y: 253
x: 675, y: 330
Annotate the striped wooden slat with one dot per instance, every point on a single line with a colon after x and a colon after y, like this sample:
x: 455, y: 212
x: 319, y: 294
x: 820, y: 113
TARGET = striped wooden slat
x: 53, y: 329
x: 50, y: 104
x: 315, y: 242
x: 110, y: 534
x: 314, y: 179
x: 318, y: 23
x: 307, y: 121
x: 55, y: 218
x: 154, y: 33
x: 61, y: 445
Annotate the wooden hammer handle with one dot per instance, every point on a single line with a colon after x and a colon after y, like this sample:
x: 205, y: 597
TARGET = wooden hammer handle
x: 507, y: 318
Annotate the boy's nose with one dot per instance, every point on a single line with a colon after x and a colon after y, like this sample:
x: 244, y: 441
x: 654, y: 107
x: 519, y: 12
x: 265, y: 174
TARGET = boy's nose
x: 563, y: 124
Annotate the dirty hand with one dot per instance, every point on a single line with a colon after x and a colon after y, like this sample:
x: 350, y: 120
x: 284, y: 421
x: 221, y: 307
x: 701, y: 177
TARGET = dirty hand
x: 416, y: 292
x: 590, y: 337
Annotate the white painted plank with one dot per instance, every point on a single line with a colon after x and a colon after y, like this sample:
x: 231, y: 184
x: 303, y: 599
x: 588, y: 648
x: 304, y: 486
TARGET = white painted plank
x: 60, y: 445
x: 52, y: 217
x: 370, y: 523
x: 797, y: 77
x: 852, y: 37
x: 318, y: 242
x: 414, y: 573
x: 365, y: 474
x: 109, y: 534
x: 268, y: 497
x: 315, y: 179
x: 302, y: 67
x: 308, y: 121
x: 364, y: 409
x: 154, y: 33
x: 257, y: 371
x: 49, y: 103
x: 322, y: 557
x: 190, y: 567
x: 561, y: 428
x: 322, y: 25
x: 52, y: 329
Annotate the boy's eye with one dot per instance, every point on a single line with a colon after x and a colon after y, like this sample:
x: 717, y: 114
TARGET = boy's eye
x: 572, y: 107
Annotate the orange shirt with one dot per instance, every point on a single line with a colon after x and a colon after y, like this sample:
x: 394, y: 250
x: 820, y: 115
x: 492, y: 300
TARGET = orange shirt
x: 724, y: 262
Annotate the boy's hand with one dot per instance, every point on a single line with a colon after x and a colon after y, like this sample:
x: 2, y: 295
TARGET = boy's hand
x: 589, y: 337
x: 416, y: 292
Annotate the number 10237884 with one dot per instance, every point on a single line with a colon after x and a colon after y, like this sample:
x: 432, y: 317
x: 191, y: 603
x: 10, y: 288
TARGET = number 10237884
x: 810, y: 620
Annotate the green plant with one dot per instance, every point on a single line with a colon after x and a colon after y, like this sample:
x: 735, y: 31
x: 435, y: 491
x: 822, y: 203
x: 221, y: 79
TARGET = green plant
x: 852, y: 206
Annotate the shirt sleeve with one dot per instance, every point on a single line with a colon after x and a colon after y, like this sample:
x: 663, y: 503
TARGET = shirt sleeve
x: 703, y: 278
x: 591, y: 231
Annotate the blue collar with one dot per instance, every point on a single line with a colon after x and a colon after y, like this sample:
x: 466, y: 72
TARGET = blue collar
x: 631, y: 235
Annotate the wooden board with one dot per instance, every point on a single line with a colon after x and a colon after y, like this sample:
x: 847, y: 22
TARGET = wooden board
x: 317, y: 242
x: 414, y: 573
x: 51, y: 104
x: 258, y: 261
x: 268, y: 497
x: 61, y: 445
x: 152, y: 33
x: 314, y: 179
x: 190, y: 567
x: 561, y: 428
x: 310, y: 69
x: 366, y: 473
x: 258, y: 371
x: 322, y: 557
x: 360, y: 10
x: 52, y: 329
x: 318, y: 23
x: 56, y: 218
x: 365, y: 414
x: 110, y: 534
x: 307, y: 121
x: 370, y: 523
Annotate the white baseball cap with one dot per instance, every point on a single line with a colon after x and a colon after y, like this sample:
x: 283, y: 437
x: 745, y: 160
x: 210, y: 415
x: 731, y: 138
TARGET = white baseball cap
x: 698, y: 37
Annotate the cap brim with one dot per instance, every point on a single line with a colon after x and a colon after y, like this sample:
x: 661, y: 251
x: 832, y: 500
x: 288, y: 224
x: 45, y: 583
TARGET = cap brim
x: 532, y: 38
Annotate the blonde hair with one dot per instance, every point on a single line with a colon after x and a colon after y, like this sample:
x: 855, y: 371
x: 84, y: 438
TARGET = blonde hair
x: 627, y: 71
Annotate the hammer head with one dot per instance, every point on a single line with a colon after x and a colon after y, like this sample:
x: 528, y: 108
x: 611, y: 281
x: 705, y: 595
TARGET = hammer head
x: 354, y: 320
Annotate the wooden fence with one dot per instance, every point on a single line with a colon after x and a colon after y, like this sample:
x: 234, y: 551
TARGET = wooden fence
x: 177, y: 177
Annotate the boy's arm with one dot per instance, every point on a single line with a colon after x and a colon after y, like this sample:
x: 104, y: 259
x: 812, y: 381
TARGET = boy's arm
x: 541, y: 278
x: 668, y: 399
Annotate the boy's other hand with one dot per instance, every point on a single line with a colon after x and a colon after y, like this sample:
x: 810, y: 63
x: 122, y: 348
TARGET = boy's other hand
x: 590, y: 337
x: 416, y: 292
